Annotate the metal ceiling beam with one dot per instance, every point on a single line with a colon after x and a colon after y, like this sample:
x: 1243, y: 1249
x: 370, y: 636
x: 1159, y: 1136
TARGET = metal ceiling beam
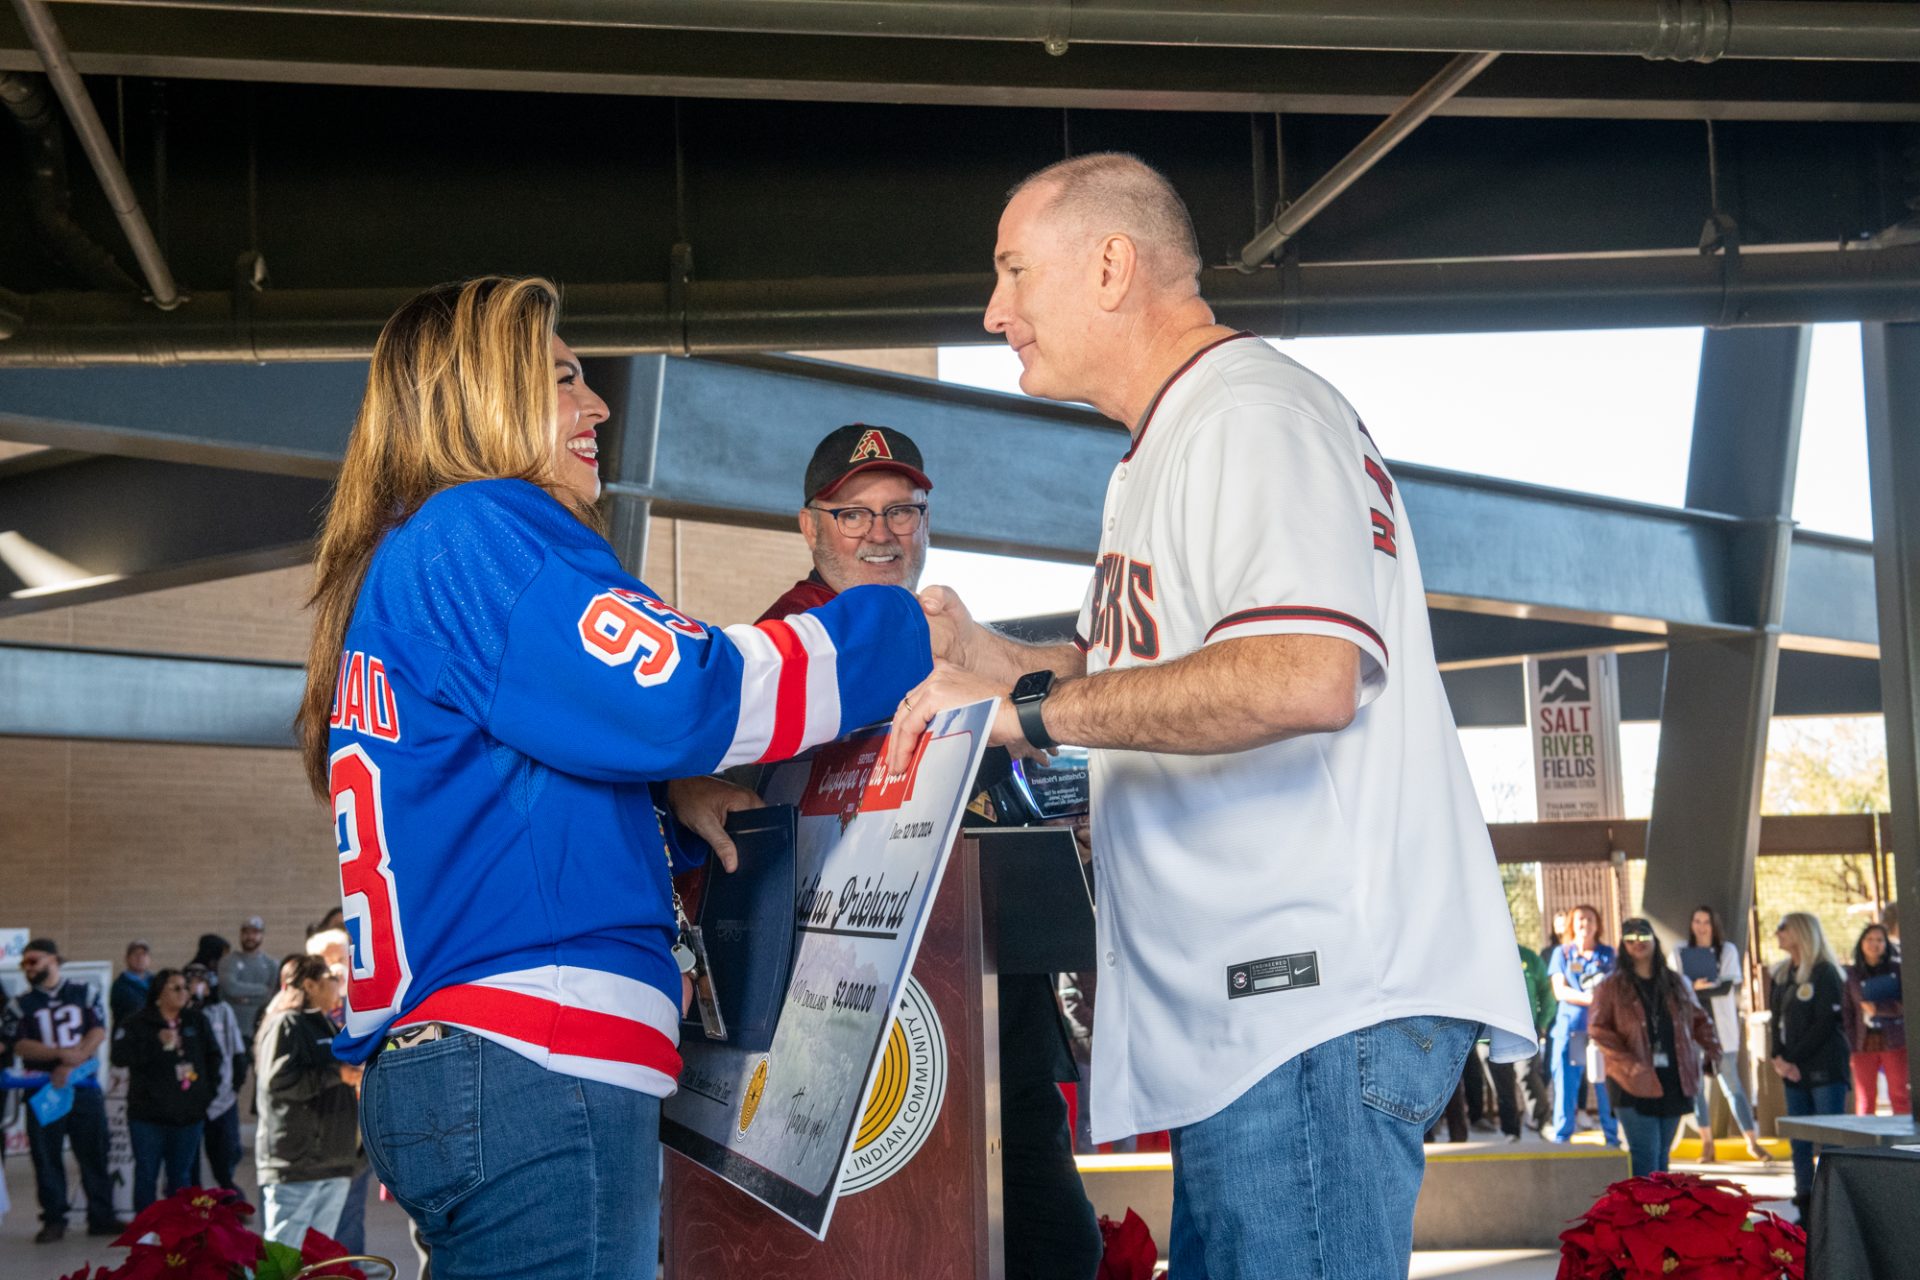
x: 1690, y: 31
x: 329, y: 49
x: 102, y: 527
x: 731, y: 434
x: 724, y: 316
x: 83, y: 693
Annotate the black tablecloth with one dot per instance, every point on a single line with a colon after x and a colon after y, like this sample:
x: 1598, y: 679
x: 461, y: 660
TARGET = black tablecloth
x: 1865, y: 1201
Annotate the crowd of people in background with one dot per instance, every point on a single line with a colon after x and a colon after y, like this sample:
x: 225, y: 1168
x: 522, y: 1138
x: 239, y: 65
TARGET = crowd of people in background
x: 1635, y: 1040
x: 231, y: 1029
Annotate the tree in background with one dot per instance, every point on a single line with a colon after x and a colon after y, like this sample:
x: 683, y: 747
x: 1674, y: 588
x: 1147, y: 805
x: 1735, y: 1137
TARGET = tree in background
x: 1830, y: 764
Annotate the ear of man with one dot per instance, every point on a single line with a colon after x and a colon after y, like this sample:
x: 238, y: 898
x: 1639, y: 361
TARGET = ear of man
x: 1119, y: 264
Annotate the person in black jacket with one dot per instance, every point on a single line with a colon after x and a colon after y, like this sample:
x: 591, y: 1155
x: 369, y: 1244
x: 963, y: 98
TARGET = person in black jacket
x: 306, y: 1146
x: 1809, y: 1041
x: 173, y: 1064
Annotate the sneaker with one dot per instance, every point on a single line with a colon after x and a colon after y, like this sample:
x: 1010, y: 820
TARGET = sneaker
x: 51, y: 1232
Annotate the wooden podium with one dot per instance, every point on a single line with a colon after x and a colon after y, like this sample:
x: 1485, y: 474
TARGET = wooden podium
x: 939, y: 1216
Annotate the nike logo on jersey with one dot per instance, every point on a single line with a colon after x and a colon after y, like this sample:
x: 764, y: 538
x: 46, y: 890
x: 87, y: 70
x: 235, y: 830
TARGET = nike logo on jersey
x: 363, y: 698
x: 1123, y: 609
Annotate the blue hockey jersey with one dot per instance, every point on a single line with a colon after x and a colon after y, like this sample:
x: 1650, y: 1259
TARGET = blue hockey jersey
x: 506, y: 695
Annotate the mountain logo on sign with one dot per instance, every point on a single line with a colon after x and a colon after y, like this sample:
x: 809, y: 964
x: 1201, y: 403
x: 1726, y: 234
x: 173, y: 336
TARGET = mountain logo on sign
x: 1566, y: 686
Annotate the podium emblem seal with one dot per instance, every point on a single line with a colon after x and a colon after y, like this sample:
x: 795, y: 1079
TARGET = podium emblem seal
x: 908, y: 1090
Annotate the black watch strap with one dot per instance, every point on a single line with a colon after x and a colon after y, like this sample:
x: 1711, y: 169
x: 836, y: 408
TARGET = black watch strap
x: 1034, y: 725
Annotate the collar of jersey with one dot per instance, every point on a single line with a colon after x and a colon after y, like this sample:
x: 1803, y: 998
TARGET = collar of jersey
x: 1146, y: 419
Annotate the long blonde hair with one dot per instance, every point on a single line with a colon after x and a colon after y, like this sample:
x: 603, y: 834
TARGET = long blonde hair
x: 1803, y: 928
x: 461, y: 388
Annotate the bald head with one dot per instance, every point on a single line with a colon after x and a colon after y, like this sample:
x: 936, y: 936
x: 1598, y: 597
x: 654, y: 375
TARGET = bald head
x: 1111, y: 192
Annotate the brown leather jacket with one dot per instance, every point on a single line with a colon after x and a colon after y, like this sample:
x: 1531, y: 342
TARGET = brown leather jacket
x: 1619, y: 1026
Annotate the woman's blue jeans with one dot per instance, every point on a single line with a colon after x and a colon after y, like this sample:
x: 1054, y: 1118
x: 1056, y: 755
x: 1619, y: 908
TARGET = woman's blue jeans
x: 1649, y: 1139
x: 1727, y: 1072
x: 173, y: 1147
x: 1811, y: 1100
x: 511, y: 1170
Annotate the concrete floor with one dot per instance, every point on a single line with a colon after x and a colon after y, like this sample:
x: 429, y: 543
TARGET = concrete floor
x: 21, y: 1259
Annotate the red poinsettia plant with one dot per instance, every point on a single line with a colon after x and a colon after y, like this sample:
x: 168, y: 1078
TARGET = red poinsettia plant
x: 1679, y: 1226
x: 198, y: 1234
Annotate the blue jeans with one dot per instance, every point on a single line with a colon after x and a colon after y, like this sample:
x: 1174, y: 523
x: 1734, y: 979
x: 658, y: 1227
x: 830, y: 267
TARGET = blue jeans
x: 1569, y: 1071
x: 223, y: 1146
x: 1811, y: 1100
x: 511, y: 1170
x: 86, y: 1128
x: 1312, y: 1173
x: 174, y: 1147
x: 289, y: 1208
x: 352, y: 1229
x: 1649, y: 1139
x: 1728, y: 1074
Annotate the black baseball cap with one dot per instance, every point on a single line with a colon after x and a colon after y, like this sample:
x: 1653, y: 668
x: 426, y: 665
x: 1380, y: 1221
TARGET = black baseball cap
x: 858, y: 447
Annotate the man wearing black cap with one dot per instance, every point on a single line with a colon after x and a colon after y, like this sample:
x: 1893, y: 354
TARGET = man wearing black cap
x: 54, y: 1027
x: 865, y: 519
x: 864, y: 515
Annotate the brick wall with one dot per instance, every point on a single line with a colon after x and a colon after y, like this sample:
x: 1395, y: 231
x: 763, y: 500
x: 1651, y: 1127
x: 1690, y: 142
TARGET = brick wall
x: 104, y: 842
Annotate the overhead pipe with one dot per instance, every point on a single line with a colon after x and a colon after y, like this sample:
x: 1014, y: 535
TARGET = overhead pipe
x: 49, y: 194
x: 717, y: 316
x: 45, y: 36
x: 1411, y: 114
x: 1664, y: 30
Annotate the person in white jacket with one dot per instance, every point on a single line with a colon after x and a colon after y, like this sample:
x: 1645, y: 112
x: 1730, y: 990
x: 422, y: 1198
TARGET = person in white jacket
x: 1711, y: 965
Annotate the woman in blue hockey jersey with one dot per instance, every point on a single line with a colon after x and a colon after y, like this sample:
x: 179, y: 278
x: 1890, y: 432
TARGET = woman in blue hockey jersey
x: 495, y: 710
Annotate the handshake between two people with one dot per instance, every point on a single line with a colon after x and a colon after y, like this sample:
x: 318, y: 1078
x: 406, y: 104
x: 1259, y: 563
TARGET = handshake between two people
x: 971, y: 663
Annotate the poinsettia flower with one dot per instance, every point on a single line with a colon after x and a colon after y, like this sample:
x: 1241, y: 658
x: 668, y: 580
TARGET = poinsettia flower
x: 180, y: 1262
x: 1130, y: 1253
x: 217, y: 1214
x: 317, y: 1248
x: 86, y: 1272
x: 1778, y: 1246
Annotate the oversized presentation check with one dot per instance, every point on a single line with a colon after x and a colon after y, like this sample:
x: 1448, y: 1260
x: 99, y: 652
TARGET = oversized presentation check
x: 871, y: 850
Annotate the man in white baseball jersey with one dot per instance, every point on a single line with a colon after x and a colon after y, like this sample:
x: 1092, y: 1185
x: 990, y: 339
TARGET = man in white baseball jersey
x: 1301, y: 927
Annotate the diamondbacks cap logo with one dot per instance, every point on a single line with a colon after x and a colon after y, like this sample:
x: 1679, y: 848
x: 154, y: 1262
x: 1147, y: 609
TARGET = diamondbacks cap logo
x: 871, y: 445
x: 908, y: 1089
x: 750, y: 1104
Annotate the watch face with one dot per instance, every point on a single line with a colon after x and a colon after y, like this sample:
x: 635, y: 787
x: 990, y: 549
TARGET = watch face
x: 1032, y: 685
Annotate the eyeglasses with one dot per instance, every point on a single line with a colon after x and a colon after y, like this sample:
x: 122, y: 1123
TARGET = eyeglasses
x: 902, y: 518
x: 1636, y: 937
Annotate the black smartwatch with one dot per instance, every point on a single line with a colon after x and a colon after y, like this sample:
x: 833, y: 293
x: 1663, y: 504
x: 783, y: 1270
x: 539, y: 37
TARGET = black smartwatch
x: 1028, y: 693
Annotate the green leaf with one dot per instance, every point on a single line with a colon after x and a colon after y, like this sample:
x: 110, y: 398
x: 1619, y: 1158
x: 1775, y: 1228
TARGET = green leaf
x: 282, y: 1262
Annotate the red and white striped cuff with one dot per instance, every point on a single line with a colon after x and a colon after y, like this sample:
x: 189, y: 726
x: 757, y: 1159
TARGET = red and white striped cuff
x: 789, y: 689
x: 579, y: 1022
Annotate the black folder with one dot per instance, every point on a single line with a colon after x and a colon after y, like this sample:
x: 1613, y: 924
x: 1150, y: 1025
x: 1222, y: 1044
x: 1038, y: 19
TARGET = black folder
x: 747, y: 921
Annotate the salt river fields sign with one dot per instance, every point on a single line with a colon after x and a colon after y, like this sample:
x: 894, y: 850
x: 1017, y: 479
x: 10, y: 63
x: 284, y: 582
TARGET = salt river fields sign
x: 1573, y: 712
x: 854, y: 1076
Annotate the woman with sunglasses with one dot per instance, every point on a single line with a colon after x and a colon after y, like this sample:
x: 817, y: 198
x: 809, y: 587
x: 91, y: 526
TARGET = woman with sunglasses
x: 173, y: 1069
x: 1658, y: 1043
